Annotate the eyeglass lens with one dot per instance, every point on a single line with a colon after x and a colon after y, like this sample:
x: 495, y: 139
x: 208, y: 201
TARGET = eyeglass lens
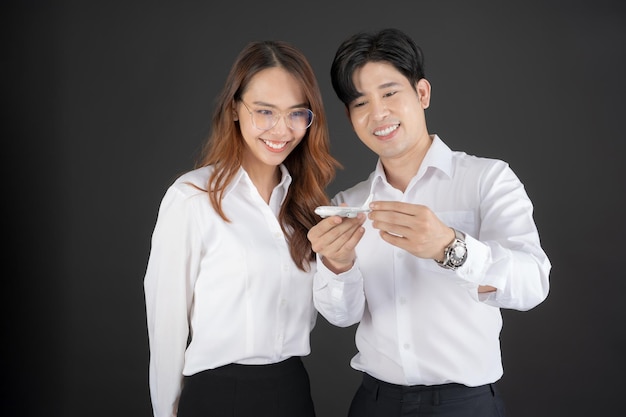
x: 265, y: 119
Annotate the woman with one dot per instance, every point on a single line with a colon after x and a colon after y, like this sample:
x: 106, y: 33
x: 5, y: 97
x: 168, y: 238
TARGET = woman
x: 229, y: 279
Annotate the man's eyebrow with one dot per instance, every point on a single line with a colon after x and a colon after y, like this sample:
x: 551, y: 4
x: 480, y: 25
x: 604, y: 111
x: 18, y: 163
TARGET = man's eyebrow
x: 383, y: 86
x: 387, y: 85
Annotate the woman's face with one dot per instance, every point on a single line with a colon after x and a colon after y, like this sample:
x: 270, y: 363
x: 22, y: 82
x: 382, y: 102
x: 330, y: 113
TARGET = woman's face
x: 271, y: 92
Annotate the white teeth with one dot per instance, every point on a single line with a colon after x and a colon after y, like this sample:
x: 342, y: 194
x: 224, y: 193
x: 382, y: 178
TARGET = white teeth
x: 385, y: 132
x: 275, y: 145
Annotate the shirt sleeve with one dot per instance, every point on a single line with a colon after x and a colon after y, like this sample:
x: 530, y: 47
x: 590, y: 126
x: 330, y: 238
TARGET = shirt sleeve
x: 339, y: 297
x: 168, y: 283
x: 507, y: 252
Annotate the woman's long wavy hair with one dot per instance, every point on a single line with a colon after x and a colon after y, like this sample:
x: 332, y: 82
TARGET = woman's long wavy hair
x: 310, y: 164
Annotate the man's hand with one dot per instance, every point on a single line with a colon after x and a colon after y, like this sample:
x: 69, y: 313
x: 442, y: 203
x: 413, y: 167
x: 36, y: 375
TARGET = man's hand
x: 335, y: 238
x: 412, y: 227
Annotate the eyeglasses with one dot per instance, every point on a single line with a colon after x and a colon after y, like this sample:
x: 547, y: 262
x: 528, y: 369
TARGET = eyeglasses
x: 266, y: 118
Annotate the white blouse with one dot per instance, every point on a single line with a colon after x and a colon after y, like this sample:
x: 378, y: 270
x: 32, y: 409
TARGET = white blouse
x: 231, y: 288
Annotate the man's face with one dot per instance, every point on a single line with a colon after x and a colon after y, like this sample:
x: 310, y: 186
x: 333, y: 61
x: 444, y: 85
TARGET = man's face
x: 389, y: 116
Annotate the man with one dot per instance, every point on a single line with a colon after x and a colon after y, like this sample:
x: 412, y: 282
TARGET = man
x: 450, y: 239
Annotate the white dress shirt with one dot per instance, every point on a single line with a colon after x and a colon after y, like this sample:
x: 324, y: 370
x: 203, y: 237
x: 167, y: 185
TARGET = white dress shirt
x: 231, y: 287
x: 421, y: 323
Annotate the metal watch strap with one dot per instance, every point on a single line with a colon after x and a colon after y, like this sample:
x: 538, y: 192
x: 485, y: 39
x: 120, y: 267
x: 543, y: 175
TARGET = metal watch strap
x: 459, y: 239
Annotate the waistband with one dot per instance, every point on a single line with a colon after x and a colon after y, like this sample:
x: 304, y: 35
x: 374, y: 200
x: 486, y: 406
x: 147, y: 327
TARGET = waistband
x: 236, y: 370
x: 435, y: 393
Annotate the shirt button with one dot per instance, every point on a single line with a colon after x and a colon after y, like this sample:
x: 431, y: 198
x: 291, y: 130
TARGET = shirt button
x: 402, y: 300
x: 406, y: 346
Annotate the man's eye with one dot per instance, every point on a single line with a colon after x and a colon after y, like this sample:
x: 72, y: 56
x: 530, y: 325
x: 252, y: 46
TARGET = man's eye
x: 390, y: 93
x: 358, y: 104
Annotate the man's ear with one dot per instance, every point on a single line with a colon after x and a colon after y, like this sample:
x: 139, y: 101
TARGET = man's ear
x: 423, y: 92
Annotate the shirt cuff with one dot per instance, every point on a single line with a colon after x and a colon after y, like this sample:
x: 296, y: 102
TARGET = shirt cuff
x: 350, y: 276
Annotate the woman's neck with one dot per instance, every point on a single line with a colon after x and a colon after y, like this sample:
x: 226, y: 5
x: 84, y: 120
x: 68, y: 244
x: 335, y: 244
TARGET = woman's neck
x: 265, y: 179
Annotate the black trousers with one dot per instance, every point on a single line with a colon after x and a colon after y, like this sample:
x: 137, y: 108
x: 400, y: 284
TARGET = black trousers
x: 375, y: 398
x: 277, y: 390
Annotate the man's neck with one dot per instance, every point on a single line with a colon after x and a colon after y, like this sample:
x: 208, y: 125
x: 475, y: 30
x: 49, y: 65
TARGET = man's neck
x: 399, y: 171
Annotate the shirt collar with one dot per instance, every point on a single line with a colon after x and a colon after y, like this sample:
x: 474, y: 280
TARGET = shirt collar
x: 241, y: 177
x: 438, y: 156
x: 285, y: 180
x: 280, y: 191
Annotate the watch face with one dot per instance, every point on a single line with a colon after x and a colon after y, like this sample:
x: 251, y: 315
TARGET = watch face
x: 457, y: 255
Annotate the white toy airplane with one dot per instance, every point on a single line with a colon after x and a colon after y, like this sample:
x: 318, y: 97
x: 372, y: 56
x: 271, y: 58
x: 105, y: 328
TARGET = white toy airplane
x: 342, y: 211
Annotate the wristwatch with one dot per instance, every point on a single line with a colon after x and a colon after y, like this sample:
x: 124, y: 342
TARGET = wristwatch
x: 455, y: 254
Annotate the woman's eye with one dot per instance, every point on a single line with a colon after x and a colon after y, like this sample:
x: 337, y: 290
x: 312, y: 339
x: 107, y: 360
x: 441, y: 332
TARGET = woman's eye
x: 265, y: 112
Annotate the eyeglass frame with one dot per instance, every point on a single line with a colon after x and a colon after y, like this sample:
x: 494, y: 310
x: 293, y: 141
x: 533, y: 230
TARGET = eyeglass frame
x: 279, y: 116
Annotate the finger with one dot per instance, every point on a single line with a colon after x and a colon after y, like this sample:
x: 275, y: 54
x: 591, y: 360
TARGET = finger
x: 394, y: 239
x: 341, y: 252
x: 394, y: 222
x: 336, y: 238
x: 395, y: 206
x: 325, y: 239
x: 348, y: 241
x: 323, y: 227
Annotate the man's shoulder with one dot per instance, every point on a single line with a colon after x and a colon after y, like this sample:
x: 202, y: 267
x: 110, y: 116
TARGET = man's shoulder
x: 356, y: 194
x: 464, y: 159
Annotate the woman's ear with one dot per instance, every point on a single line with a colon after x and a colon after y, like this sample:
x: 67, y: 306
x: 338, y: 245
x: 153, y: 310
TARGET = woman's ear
x: 234, y: 108
x: 423, y: 92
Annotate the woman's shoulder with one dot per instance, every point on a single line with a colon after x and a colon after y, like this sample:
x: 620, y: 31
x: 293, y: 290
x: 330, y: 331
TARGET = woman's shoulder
x: 194, y: 181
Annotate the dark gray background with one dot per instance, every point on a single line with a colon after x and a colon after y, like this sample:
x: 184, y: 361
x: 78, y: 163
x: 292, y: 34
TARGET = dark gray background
x: 105, y: 103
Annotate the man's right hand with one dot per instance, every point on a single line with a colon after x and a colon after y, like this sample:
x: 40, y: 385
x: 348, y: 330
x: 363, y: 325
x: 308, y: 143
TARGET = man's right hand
x: 335, y: 239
